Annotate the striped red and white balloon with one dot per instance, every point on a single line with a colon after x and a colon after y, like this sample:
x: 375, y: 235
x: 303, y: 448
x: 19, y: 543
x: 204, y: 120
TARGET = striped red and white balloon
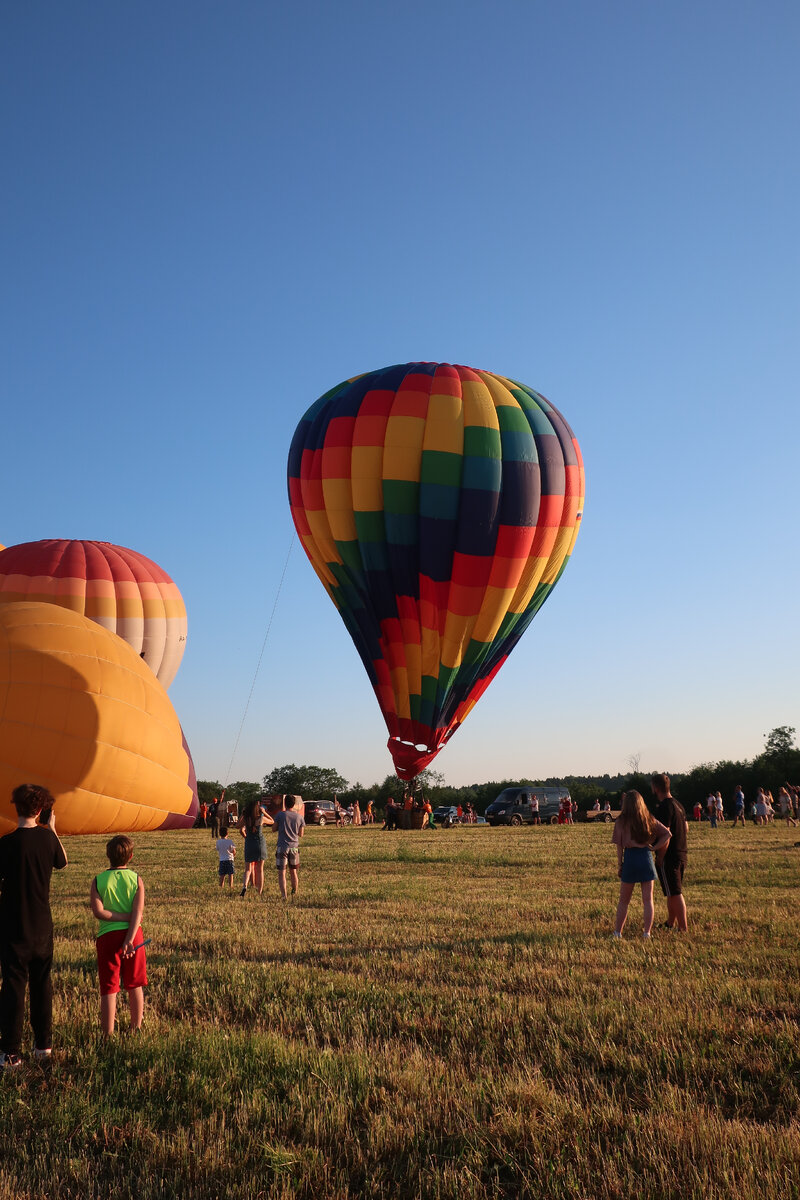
x: 120, y: 589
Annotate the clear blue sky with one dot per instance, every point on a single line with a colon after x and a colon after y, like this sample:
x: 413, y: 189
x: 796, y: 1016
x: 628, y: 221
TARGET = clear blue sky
x: 213, y: 213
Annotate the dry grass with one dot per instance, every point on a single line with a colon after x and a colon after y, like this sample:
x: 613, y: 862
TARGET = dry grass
x: 439, y: 1015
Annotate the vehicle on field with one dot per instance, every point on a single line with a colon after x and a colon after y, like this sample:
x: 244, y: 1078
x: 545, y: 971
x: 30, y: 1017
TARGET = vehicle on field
x: 323, y: 812
x: 446, y: 815
x: 514, y: 805
x: 603, y: 815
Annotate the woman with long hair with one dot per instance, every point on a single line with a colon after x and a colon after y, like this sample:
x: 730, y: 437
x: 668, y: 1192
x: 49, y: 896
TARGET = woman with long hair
x: 638, y: 836
x: 252, y: 823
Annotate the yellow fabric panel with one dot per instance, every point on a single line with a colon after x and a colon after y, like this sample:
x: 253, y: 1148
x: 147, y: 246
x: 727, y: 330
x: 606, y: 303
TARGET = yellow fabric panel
x: 444, y: 430
x: 455, y: 640
x: 367, y: 478
x: 399, y: 678
x: 495, y: 606
x: 403, y: 454
x: 500, y: 390
x: 414, y: 667
x: 564, y: 539
x: 83, y: 715
x: 430, y: 652
x: 478, y: 407
x: 105, y: 608
x: 530, y: 579
x: 325, y: 547
x: 339, y: 509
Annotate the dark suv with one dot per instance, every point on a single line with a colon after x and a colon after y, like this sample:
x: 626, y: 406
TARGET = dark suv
x: 513, y: 806
x: 320, y: 812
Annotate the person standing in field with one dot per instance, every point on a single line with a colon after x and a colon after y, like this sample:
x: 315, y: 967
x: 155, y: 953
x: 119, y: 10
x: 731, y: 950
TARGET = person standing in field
x: 117, y: 901
x: 227, y: 853
x: 291, y: 827
x: 28, y: 857
x: 637, y: 836
x: 738, y: 806
x: 254, y: 819
x: 671, y: 862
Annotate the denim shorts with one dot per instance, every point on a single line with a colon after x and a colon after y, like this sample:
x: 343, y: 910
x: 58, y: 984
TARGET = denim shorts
x: 638, y: 865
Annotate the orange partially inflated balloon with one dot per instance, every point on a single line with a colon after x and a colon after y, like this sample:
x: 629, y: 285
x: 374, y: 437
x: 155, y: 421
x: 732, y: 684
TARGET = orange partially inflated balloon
x: 81, y: 714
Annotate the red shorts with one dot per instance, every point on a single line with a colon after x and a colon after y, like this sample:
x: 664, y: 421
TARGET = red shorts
x: 110, y: 962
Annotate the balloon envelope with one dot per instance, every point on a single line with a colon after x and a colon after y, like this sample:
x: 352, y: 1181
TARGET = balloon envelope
x: 118, y: 588
x: 81, y: 714
x: 438, y: 505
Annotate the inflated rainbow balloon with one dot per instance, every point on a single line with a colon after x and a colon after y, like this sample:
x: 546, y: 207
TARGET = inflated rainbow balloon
x: 438, y: 505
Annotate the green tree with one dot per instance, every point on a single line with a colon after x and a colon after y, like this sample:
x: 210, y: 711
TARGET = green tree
x: 242, y: 792
x: 312, y: 783
x: 208, y: 790
x: 780, y: 741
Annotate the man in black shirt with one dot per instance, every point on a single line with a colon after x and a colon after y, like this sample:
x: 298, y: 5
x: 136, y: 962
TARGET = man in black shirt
x: 28, y: 857
x: 671, y: 863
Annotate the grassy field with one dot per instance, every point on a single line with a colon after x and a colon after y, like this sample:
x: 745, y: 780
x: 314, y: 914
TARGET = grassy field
x: 437, y: 1015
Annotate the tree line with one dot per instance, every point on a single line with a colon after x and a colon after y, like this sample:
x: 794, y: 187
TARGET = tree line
x: 778, y: 763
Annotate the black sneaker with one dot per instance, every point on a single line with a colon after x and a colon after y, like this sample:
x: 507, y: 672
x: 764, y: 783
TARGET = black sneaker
x: 243, y: 891
x: 10, y: 1061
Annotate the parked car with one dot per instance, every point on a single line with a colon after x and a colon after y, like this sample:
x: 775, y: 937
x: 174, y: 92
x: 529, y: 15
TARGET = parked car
x: 320, y: 812
x: 513, y: 805
x: 446, y: 815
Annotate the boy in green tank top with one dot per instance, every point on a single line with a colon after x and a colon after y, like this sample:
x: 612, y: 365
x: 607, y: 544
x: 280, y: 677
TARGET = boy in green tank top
x: 117, y: 900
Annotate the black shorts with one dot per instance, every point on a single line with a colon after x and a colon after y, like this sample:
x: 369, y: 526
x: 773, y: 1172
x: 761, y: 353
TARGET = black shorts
x: 670, y: 876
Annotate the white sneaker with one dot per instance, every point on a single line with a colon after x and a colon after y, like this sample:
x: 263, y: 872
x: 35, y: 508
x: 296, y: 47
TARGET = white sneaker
x: 616, y: 934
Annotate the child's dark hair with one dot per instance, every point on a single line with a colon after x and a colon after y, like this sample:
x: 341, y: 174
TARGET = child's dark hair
x: 223, y: 830
x: 29, y: 799
x: 119, y: 850
x: 289, y: 801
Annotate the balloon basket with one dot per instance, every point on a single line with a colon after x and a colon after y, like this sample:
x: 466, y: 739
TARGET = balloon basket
x: 412, y: 820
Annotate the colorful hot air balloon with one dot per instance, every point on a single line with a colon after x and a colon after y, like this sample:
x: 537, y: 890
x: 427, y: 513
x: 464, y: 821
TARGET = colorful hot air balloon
x: 120, y: 589
x: 438, y: 505
x: 81, y: 714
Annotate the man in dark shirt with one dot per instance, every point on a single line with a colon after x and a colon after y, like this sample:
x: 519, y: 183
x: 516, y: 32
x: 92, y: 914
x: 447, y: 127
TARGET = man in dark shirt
x: 28, y: 857
x: 671, y: 863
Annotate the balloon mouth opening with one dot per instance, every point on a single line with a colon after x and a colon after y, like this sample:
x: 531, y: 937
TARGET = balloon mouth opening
x: 421, y: 747
x: 410, y: 757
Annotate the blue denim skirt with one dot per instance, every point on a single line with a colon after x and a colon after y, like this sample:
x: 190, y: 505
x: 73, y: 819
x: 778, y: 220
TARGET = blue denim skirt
x: 638, y: 865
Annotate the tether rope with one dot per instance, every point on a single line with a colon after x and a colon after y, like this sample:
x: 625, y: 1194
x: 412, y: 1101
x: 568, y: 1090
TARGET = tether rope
x: 258, y: 664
